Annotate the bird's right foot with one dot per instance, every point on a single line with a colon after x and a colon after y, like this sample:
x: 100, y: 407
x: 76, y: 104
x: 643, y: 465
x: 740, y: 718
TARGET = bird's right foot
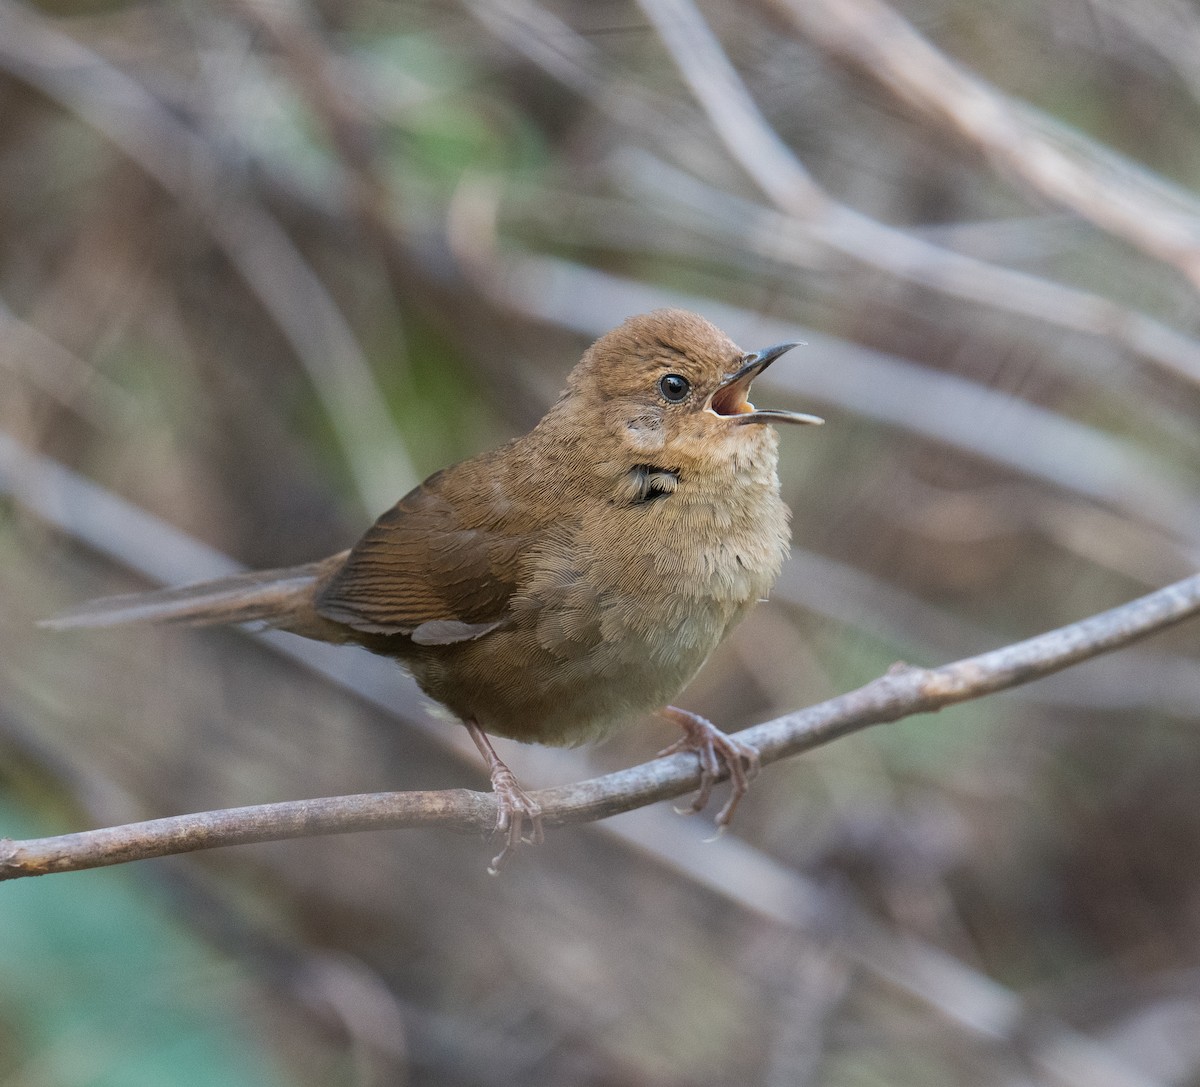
x: 716, y: 750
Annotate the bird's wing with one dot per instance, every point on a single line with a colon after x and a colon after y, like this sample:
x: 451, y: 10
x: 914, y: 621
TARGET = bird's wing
x: 424, y: 571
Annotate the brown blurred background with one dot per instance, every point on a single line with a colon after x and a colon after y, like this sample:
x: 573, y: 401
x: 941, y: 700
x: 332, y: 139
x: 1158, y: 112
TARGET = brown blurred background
x: 265, y: 264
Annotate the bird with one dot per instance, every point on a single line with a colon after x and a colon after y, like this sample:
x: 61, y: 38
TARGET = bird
x: 566, y: 583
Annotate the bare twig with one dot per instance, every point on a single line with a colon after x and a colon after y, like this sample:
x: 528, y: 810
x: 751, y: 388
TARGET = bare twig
x: 1139, y: 680
x: 56, y: 371
x: 788, y: 239
x: 942, y: 407
x: 903, y: 691
x: 730, y: 868
x: 1114, y: 193
x: 808, y: 213
x: 180, y: 159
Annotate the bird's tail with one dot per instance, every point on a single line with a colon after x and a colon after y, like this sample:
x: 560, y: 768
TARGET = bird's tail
x: 274, y: 596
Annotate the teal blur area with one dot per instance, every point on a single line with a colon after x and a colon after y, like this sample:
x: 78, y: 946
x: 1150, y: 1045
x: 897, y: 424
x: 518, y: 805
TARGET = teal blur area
x: 99, y: 985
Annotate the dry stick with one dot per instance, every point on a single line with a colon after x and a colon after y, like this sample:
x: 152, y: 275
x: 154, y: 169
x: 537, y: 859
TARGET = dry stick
x: 1169, y: 27
x: 1114, y: 193
x: 903, y: 691
x: 183, y: 162
x: 810, y: 213
x: 788, y: 239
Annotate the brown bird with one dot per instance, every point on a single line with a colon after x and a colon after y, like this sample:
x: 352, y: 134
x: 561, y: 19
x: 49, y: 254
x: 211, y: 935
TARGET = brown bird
x: 569, y: 581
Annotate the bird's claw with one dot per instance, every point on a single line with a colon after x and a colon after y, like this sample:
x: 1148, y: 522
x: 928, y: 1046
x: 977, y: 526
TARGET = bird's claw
x: 515, y: 808
x: 715, y: 750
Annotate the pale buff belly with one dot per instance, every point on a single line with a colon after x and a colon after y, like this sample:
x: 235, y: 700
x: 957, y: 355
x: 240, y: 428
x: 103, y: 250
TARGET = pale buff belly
x: 521, y: 684
x: 601, y: 636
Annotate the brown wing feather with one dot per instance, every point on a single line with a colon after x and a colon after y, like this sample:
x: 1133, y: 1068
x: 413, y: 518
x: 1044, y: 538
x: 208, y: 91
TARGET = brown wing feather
x: 421, y: 571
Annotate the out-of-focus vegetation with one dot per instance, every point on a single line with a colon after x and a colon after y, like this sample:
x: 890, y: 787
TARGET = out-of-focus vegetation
x: 101, y: 987
x: 265, y: 264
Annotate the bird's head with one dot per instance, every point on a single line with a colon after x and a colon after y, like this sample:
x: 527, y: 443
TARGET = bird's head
x: 669, y: 383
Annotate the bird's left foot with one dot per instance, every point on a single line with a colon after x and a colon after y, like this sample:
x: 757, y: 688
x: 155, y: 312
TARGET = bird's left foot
x: 516, y: 806
x: 714, y: 748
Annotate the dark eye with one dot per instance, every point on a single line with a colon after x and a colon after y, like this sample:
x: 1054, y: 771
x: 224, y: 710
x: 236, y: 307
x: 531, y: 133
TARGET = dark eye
x: 674, y: 387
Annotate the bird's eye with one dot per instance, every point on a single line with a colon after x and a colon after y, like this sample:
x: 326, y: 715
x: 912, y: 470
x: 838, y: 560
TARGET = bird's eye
x: 674, y: 387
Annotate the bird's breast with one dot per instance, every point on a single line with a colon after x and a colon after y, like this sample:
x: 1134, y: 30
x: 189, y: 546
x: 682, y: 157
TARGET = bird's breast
x: 618, y: 615
x: 619, y: 604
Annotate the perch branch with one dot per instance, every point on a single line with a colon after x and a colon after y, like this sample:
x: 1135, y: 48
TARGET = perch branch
x: 903, y: 691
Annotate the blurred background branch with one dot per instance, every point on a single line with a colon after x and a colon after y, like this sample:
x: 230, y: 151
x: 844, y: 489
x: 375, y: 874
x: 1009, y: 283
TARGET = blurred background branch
x: 262, y: 264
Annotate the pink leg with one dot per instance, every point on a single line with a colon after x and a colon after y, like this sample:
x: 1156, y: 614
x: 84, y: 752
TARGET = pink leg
x: 515, y: 804
x: 714, y: 748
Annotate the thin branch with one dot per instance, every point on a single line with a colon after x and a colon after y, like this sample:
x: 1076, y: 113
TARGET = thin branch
x: 808, y: 213
x: 1138, y: 681
x: 1113, y: 192
x: 788, y: 239
x: 1170, y: 27
x: 731, y: 869
x: 903, y: 691
x: 1023, y: 437
x: 33, y: 50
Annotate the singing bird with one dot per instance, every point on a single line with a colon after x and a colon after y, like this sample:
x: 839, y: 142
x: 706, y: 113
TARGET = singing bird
x: 568, y: 582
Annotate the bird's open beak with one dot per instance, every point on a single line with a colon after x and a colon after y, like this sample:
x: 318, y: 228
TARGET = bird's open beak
x: 730, y: 400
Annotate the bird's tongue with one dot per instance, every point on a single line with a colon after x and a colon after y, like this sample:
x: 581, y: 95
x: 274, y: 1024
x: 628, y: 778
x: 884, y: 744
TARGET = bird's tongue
x: 731, y: 400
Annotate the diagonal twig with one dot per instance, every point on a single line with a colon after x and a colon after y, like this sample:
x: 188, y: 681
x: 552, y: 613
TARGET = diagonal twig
x: 1043, y: 445
x: 1060, y: 163
x: 731, y: 868
x: 903, y: 691
x: 807, y: 212
x: 182, y: 160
